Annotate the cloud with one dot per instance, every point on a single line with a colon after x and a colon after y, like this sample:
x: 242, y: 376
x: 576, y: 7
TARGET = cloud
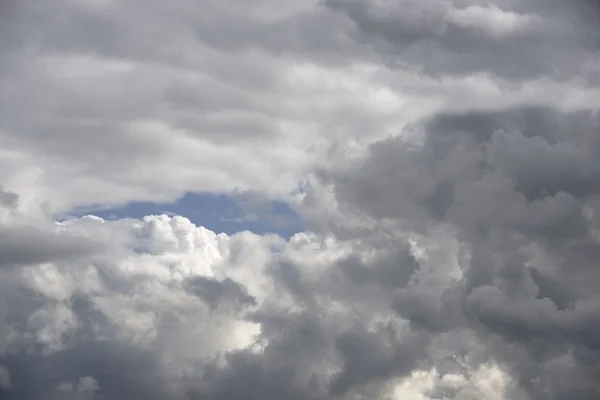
x: 171, y: 310
x: 23, y: 243
x: 105, y: 102
x: 4, y: 378
x: 441, y: 156
x: 84, y: 389
x: 460, y: 38
x: 127, y: 311
x: 8, y: 199
x: 518, y: 190
x: 214, y: 292
x: 126, y: 120
x: 16, y: 247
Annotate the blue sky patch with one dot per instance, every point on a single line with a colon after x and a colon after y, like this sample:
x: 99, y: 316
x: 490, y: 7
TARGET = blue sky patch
x: 219, y: 213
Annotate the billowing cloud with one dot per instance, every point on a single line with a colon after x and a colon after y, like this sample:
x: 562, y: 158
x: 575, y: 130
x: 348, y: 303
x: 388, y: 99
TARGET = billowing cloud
x: 441, y: 155
x: 519, y: 190
x: 171, y: 310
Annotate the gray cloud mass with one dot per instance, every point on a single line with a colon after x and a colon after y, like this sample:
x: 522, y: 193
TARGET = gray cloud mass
x: 523, y: 201
x: 442, y: 156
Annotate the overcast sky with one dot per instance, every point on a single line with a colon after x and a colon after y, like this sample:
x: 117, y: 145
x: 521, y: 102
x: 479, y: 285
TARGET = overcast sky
x: 304, y: 200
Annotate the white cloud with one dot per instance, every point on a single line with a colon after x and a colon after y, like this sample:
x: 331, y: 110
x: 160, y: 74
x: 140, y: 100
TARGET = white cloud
x: 493, y: 20
x: 136, y: 293
x: 486, y: 382
x: 184, y: 297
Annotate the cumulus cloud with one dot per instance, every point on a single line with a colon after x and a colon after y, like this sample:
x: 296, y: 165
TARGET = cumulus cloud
x: 442, y: 156
x: 172, y: 310
x: 132, y: 314
x: 518, y: 190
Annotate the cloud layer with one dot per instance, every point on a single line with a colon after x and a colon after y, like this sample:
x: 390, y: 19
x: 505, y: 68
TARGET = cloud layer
x: 112, y: 101
x: 442, y: 156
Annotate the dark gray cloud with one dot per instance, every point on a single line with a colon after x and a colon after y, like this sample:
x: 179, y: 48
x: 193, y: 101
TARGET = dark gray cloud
x: 30, y: 245
x: 8, y: 199
x: 465, y: 37
x: 22, y: 244
x: 374, y: 357
x: 521, y: 193
x: 215, y: 292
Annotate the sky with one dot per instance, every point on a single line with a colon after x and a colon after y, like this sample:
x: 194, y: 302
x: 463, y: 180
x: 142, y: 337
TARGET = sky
x: 224, y: 213
x: 276, y: 199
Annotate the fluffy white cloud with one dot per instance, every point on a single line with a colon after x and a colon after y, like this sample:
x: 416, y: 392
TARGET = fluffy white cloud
x: 174, y: 309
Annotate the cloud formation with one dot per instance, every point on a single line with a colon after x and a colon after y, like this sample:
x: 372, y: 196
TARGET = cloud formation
x: 518, y: 189
x: 175, y: 311
x: 442, y: 156
x: 111, y: 101
x: 507, y: 39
